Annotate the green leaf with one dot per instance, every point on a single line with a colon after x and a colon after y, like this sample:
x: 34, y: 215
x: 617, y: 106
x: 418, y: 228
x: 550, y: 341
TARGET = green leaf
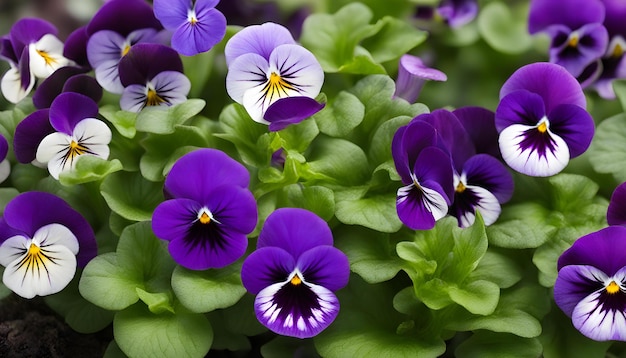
x: 478, y: 297
x: 244, y: 133
x: 89, y: 168
x: 619, y: 86
x: 140, y: 333
x: 298, y: 136
x: 157, y: 303
x: 339, y: 159
x: 484, y: 344
x: 107, y: 285
x: 519, y: 234
x: 371, y: 254
x: 395, y: 38
x: 362, y: 63
x: 503, y: 28
x: 376, y: 212
x: 497, y: 268
x: 572, y: 192
x: 205, y: 291
x: 607, y: 153
x: 114, y: 351
x: 288, y: 347
x: 380, y: 147
x: 236, y: 323
x: 344, y: 114
x: 123, y: 121
x: 6, y: 195
x: 333, y: 38
x: 160, y: 120
x: 131, y: 196
x: 318, y: 199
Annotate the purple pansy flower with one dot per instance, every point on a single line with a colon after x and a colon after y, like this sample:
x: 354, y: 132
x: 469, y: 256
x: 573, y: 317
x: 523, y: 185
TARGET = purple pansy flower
x: 209, y: 212
x: 77, y: 132
x: 5, y: 166
x: 197, y: 25
x: 426, y: 172
x: 412, y: 75
x: 66, y: 79
x: 152, y: 83
x: 542, y: 119
x: 294, y: 273
x: 266, y: 67
x: 117, y: 26
x: 578, y: 37
x: 40, y: 249
x: 591, y: 284
x: 33, y: 51
x: 457, y: 13
x: 616, y: 213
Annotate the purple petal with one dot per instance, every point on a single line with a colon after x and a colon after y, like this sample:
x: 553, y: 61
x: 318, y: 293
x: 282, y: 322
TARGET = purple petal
x: 519, y: 107
x: 171, y: 13
x: 412, y: 74
x: 574, y: 125
x: 451, y: 132
x: 233, y: 207
x: 294, y: 230
x: 123, y: 17
x: 68, y: 109
x: 416, y: 207
x: 458, y: 12
x: 4, y: 148
x: 7, y: 52
x: 590, y: 43
x: 616, y: 213
x: 173, y: 218
x: 573, y: 284
x: 145, y: 60
x: 290, y: 110
x: 265, y: 267
x: 27, y: 78
x: 29, y: 133
x: 197, y: 173
x: 552, y: 82
x: 193, y: 38
x: 479, y: 123
x: 571, y: 13
x: 52, y: 86
x: 598, y: 250
x: 407, y: 143
x: 325, y: 266
x: 434, y: 165
x: 28, y: 30
x: 24, y: 213
x: 259, y: 39
x: 85, y: 85
x: 75, y: 47
x: 487, y: 172
x: 615, y: 15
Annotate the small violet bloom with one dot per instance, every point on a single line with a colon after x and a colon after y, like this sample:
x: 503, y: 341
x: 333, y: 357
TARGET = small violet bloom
x: 578, y: 37
x: 114, y: 29
x: 294, y: 273
x: 457, y: 13
x: 210, y: 210
x: 33, y: 51
x: 41, y: 249
x: 591, y: 284
x: 77, y: 132
x: 541, y: 119
x: 152, y: 83
x: 412, y: 75
x: 267, y: 68
x: 197, y: 27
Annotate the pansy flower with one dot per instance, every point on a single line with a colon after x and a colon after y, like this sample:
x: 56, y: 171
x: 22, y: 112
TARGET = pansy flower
x: 210, y: 210
x: 33, y: 51
x: 542, y: 119
x: 265, y: 66
x: 426, y: 172
x: 41, y: 249
x: 152, y: 83
x: 591, y: 284
x: 578, y: 37
x: 197, y: 25
x: 457, y: 13
x: 66, y: 79
x: 412, y: 75
x: 114, y: 29
x: 77, y: 132
x: 294, y: 273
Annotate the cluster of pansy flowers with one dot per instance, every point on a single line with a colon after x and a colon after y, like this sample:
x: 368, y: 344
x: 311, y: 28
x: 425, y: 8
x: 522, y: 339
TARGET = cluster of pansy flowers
x: 587, y: 37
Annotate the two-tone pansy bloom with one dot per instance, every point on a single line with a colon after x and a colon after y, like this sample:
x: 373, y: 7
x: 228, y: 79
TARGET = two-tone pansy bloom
x: 209, y: 211
x: 196, y: 25
x: 294, y: 273
x: 152, y: 83
x: 41, y: 248
x: 33, y: 51
x: 591, y: 284
x: 275, y: 79
x: 542, y: 119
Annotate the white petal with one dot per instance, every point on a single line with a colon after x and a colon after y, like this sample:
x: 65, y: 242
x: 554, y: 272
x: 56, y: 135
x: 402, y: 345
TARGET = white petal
x: 108, y: 76
x: 488, y: 205
x: 56, y: 234
x: 46, y: 56
x: 435, y: 203
x: 246, y: 72
x: 597, y: 322
x: 93, y: 132
x: 54, y: 144
x: 12, y: 86
x: 5, y: 170
x: 13, y: 248
x: 527, y: 160
x: 172, y: 86
x: 298, y: 65
x: 134, y: 98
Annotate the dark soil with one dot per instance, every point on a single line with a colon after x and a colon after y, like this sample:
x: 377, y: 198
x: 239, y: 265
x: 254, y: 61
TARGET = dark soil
x: 29, y: 328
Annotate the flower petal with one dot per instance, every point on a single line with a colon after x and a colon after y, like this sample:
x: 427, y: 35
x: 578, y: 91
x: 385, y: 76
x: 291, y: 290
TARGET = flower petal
x: 325, y: 266
x: 52, y: 86
x: 70, y: 108
x: 571, y: 13
x: 407, y: 144
x: 257, y: 39
x: 290, y: 110
x: 46, y: 56
x: 519, y: 107
x: 574, y: 283
x: 419, y: 208
x: 616, y: 213
x: 246, y: 72
x: 123, y: 17
x: 578, y: 49
x: 144, y: 61
x: 458, y: 12
x: 452, y: 135
x: 472, y: 199
x: 29, y: 30
x: 479, y: 123
x: 134, y: 98
x: 412, y: 74
x: 29, y: 133
x: 266, y: 266
x: 598, y: 250
x: 12, y: 85
x: 574, y: 125
x: 194, y: 38
x: 487, y: 172
x: 294, y: 230
x: 171, y: 13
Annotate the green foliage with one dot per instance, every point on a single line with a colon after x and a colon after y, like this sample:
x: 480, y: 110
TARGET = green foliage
x: 505, y: 29
x: 607, y: 153
x: 160, y: 120
x: 89, y: 168
x: 132, y: 197
x: 485, y: 344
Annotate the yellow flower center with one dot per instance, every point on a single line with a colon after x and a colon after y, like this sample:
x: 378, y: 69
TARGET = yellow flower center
x: 296, y: 280
x: 277, y: 85
x: 46, y: 57
x: 153, y: 98
x: 612, y: 288
x: 34, y: 258
x: 573, y: 41
x: 460, y: 188
x: 543, y: 127
x: 618, y: 51
x: 204, y: 218
x: 125, y: 50
x: 76, y: 149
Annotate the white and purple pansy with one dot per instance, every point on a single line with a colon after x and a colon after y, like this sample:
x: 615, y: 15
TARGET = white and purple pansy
x: 150, y: 83
x: 265, y: 68
x: 41, y: 249
x: 294, y: 273
x: 541, y: 120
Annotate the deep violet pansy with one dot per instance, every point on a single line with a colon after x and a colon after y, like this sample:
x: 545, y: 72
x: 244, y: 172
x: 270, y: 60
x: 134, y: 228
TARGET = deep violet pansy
x: 41, y: 249
x: 265, y: 66
x: 457, y: 13
x: 541, y: 120
x: 294, y: 273
x: 196, y: 25
x: 591, y: 284
x: 209, y: 211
